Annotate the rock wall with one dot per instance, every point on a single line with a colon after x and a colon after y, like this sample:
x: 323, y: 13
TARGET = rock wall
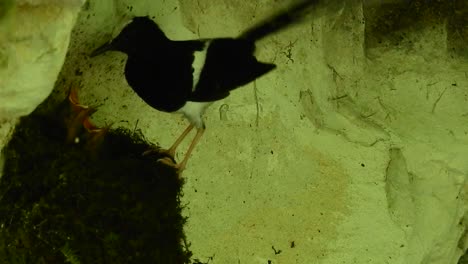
x: 34, y: 39
x: 352, y: 151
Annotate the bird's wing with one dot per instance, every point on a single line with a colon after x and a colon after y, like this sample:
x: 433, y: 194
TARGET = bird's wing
x: 160, y: 82
x: 230, y: 63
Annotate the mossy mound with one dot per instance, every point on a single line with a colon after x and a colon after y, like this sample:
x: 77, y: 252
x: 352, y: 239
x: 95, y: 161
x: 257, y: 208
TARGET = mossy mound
x: 60, y: 203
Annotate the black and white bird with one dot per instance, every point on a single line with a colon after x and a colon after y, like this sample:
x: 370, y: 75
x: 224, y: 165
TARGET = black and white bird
x: 187, y: 76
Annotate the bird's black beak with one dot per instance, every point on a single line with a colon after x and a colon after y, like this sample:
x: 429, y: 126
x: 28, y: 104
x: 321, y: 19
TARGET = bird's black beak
x: 106, y: 47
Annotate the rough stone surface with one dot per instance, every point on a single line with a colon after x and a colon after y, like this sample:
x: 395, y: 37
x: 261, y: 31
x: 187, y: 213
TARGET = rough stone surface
x: 35, y: 37
x: 352, y: 151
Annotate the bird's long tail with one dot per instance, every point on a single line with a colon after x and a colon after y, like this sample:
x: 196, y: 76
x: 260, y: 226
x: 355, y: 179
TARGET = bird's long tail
x: 281, y: 20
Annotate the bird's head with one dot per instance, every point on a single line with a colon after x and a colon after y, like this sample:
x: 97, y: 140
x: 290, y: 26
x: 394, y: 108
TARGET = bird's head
x: 140, y: 33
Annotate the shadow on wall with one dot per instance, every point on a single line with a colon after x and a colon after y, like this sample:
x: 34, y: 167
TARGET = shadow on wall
x: 390, y: 22
x: 463, y: 259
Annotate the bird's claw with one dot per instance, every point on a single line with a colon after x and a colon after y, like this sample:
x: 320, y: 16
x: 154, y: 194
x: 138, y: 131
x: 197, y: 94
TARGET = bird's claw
x: 167, y: 159
x: 160, y: 151
x: 169, y: 162
x: 152, y: 150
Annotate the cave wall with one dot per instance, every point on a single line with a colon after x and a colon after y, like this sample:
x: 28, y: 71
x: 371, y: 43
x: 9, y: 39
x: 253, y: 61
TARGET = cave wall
x: 34, y: 39
x: 353, y: 150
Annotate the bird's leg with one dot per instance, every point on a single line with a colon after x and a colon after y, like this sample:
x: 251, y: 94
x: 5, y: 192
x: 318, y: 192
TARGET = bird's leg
x: 171, y: 151
x: 195, y: 141
x: 181, y: 166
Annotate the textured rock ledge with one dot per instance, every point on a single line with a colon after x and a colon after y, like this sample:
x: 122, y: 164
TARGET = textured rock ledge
x: 34, y: 39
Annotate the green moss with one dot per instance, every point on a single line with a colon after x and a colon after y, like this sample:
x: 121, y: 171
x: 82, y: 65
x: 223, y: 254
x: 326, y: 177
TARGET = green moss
x: 60, y: 204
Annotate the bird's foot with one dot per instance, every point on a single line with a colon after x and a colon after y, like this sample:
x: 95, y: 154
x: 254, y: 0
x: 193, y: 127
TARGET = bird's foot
x: 167, y: 159
x: 179, y: 167
x: 160, y: 151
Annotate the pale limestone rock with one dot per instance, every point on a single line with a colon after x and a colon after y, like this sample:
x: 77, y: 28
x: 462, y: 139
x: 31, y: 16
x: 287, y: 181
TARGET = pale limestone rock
x: 34, y: 39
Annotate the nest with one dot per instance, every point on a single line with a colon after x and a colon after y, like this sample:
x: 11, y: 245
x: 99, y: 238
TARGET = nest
x: 73, y: 193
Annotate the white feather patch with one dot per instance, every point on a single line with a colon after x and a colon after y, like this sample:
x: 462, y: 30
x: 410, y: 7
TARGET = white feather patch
x: 194, y: 111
